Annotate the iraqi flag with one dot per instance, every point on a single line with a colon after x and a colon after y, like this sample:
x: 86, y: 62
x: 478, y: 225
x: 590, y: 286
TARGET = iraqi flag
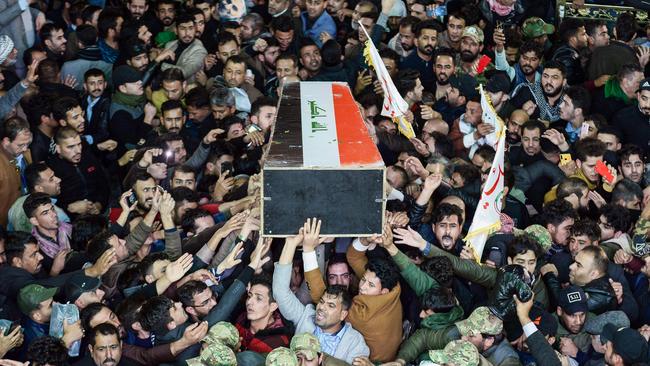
x: 323, y: 128
x: 487, y: 216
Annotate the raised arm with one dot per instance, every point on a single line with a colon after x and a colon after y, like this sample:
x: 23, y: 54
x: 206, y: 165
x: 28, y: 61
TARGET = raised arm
x: 289, y: 305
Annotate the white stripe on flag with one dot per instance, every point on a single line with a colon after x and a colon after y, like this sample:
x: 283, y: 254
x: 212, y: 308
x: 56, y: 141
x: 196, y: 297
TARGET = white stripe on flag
x: 320, y: 146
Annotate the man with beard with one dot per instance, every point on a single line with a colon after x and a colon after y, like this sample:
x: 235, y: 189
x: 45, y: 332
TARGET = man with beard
x: 173, y: 118
x: 109, y: 27
x: 327, y: 318
x: 265, y: 61
x: 286, y: 65
x: 541, y: 100
x: 632, y: 164
x: 444, y: 68
x: 96, y: 106
x: 137, y: 8
x: 53, y: 38
x: 468, y: 131
x: 165, y: 16
x: 514, y: 123
x: 573, y: 34
x: 471, y: 45
x: 404, y: 40
x: 84, y: 184
x: 188, y: 50
x: 426, y: 40
x: 68, y: 112
x: 633, y: 120
x: 105, y: 348
x: 451, y: 106
x: 284, y: 31
x: 452, y: 36
x: 310, y: 59
x: 527, y: 69
x: 14, y: 158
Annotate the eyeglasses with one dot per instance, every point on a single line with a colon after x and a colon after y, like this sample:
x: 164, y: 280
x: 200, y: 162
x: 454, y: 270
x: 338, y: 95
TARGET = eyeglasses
x: 206, y: 302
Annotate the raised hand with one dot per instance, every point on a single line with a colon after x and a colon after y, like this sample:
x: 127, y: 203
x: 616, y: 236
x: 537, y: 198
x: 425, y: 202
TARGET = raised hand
x: 178, y: 268
x: 167, y: 205
x: 103, y: 264
x: 409, y: 237
x: 311, y: 230
x: 124, y: 201
x: 232, y: 259
x: 10, y: 341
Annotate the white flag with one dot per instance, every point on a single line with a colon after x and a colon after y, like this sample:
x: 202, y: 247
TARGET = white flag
x: 395, y: 106
x: 487, y: 216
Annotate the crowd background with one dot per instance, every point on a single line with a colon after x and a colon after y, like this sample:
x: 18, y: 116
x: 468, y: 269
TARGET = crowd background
x: 130, y: 153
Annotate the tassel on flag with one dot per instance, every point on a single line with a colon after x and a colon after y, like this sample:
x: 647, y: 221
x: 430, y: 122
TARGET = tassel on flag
x: 395, y: 106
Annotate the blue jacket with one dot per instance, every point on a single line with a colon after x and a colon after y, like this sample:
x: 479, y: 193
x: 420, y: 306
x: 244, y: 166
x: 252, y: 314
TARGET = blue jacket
x: 324, y: 23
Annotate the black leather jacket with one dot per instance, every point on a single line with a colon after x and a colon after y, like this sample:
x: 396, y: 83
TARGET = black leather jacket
x: 600, y: 294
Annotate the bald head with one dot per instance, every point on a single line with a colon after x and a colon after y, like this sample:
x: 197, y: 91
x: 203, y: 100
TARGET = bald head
x: 436, y: 125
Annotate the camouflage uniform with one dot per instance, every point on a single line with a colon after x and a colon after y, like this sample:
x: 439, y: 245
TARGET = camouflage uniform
x: 215, y: 354
x: 281, y: 356
x: 308, y: 345
x: 457, y: 353
x: 223, y: 332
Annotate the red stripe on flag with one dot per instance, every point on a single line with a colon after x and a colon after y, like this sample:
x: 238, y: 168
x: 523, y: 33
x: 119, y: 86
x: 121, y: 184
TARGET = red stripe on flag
x: 355, y: 145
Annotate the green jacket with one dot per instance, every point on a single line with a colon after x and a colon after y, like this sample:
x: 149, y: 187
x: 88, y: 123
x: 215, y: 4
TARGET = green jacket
x: 419, y: 281
x: 486, y: 276
x: 424, y: 340
x: 582, y: 340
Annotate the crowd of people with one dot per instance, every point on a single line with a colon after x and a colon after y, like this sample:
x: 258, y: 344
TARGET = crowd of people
x: 132, y: 143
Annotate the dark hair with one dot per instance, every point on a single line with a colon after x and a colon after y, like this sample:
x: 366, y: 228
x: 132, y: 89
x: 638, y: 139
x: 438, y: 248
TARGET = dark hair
x: 166, y: 2
x: 12, y: 127
x: 107, y: 20
x: 626, y: 190
x: 236, y: 59
x: 47, y: 30
x: 87, y: 314
x: 589, y: 147
x: 331, y: 53
x: 532, y: 46
x: 48, y: 71
x: 283, y: 23
x: 385, y: 270
x: 226, y: 37
x: 554, y: 64
x: 628, y: 150
x: 409, y: 21
x: 190, y: 216
x: 15, y: 244
x: 390, y: 54
x: 186, y: 292
x: 587, y: 227
x: 197, y: 98
x: 522, y: 244
x: 533, y: 124
x: 342, y: 292
x: 183, y: 18
x: 438, y: 299
x: 146, y: 265
x: 36, y: 107
x: 569, y: 28
x: 64, y: 133
x: 618, y: 217
x: 440, y: 269
x: 407, y: 80
x: 62, y: 106
x: 33, y: 201
x: 580, y: 98
x: 130, y: 31
x: 163, y: 139
x: 139, y: 176
x: 154, y: 315
x: 128, y: 310
x: 446, y: 210
x: 428, y: 24
x: 486, y: 152
x: 180, y: 194
x: 94, y: 73
x: 104, y: 329
x: 88, y: 12
x: 87, y: 35
x: 98, y: 245
x: 626, y: 27
x: 627, y: 70
x: 557, y: 211
x: 262, y: 102
x: 288, y: 56
x: 571, y: 186
x: 84, y: 228
x: 33, y: 175
x: 47, y: 350
x: 172, y: 74
x: 169, y: 105
x: 468, y: 172
x: 591, y: 26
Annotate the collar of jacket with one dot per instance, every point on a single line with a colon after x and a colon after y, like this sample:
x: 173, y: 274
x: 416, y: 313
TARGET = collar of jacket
x: 90, y: 53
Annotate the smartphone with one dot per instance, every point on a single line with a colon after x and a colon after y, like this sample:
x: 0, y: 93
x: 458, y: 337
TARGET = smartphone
x: 227, y: 166
x: 169, y: 157
x: 249, y: 73
x: 132, y: 199
x: 440, y: 11
x: 565, y: 159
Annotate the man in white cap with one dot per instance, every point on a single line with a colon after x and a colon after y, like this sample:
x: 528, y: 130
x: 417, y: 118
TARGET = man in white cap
x: 8, y: 57
x: 20, y: 21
